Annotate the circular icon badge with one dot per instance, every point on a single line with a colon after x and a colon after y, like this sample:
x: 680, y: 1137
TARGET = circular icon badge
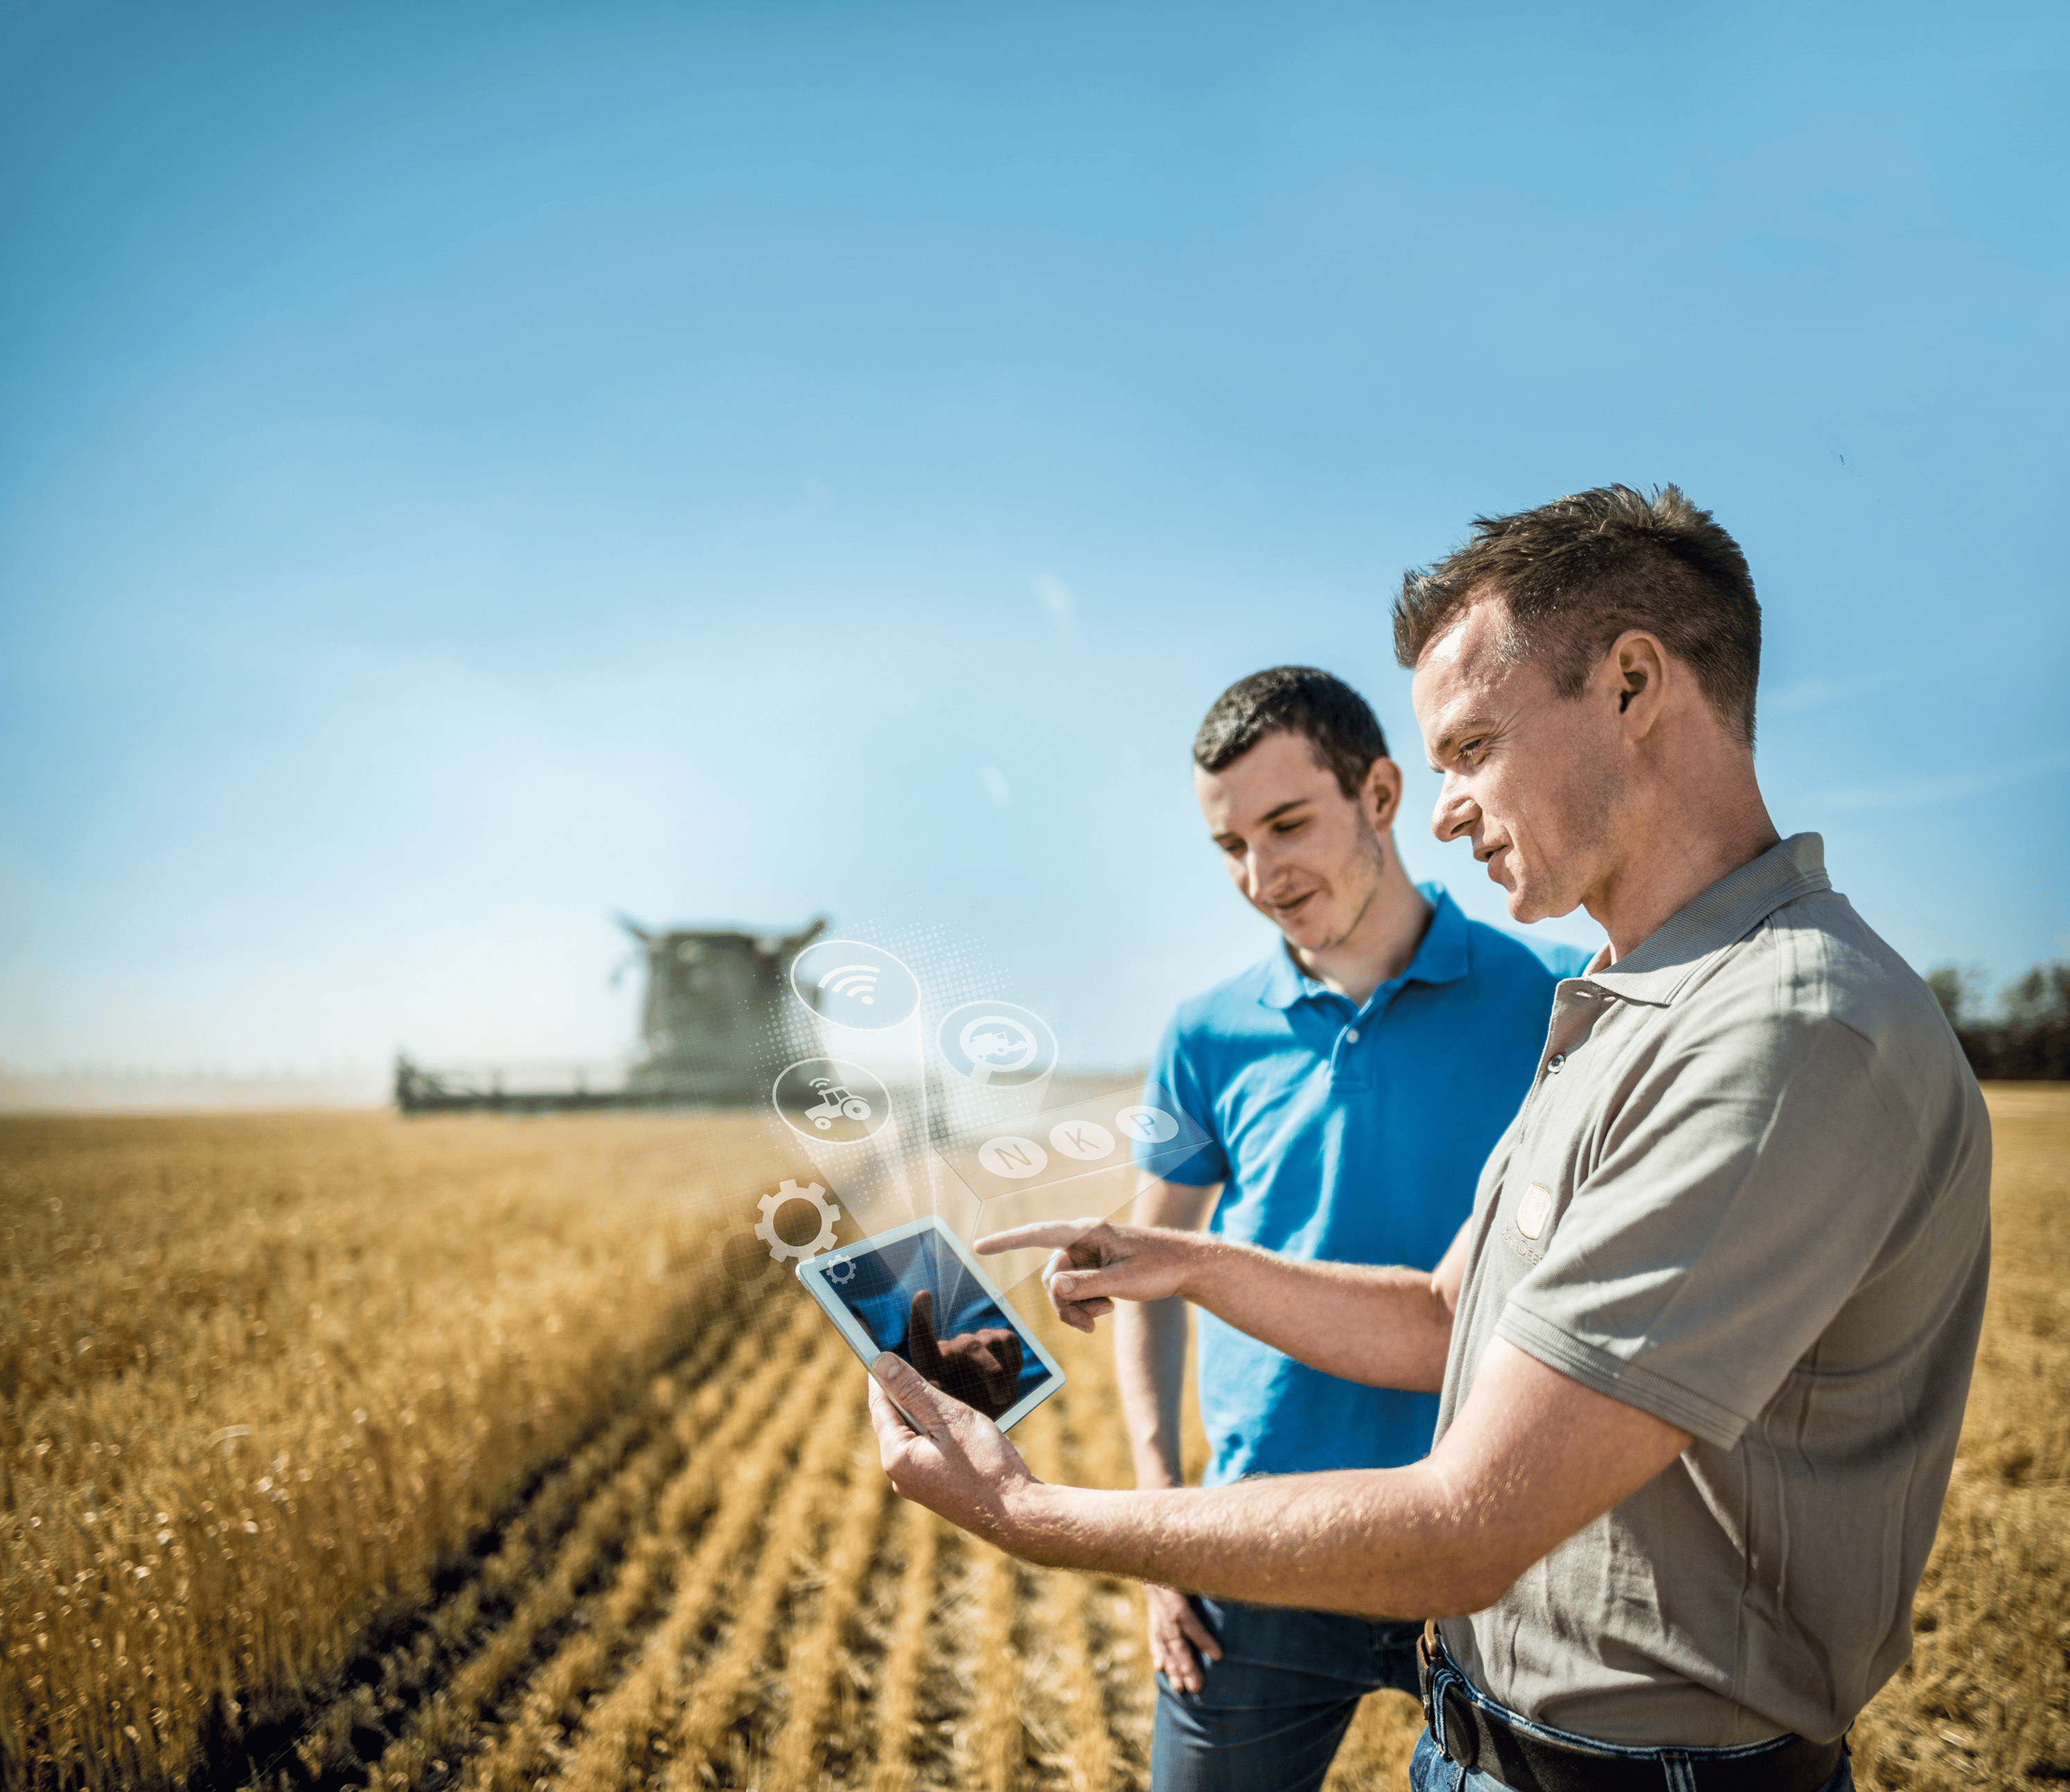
x: 830, y: 1102
x: 1013, y: 1157
x: 1087, y: 1140
x: 997, y: 1044
x: 853, y: 984
x: 1147, y: 1125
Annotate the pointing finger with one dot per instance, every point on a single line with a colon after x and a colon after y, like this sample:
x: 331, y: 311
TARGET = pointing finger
x: 921, y: 1344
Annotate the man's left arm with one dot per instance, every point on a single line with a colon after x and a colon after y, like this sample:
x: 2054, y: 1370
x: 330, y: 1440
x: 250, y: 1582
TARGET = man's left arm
x: 1532, y: 1457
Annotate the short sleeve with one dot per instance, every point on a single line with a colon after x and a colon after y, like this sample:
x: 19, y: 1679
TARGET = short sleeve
x: 1746, y: 1187
x: 1175, y: 1076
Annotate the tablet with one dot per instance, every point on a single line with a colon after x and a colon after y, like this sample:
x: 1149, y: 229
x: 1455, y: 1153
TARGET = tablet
x: 916, y: 1290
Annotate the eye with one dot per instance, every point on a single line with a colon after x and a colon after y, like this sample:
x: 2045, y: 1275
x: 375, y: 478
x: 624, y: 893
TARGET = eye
x: 1471, y: 749
x: 1290, y: 827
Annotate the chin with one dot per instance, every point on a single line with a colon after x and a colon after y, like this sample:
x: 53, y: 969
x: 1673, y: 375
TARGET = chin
x: 1308, y: 932
x: 1522, y: 901
x: 1526, y: 905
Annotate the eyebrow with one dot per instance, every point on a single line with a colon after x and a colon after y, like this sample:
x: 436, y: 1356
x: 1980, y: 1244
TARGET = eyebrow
x: 1270, y: 815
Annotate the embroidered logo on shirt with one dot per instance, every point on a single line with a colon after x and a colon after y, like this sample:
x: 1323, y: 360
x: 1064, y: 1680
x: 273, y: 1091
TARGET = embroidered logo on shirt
x: 1534, y: 1211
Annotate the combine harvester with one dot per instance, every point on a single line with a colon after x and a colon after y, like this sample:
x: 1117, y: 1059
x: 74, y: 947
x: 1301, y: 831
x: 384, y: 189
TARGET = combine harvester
x: 713, y: 995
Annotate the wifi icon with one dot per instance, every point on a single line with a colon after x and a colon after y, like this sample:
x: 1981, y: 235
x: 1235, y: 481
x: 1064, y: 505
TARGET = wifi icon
x: 858, y: 981
x: 854, y: 984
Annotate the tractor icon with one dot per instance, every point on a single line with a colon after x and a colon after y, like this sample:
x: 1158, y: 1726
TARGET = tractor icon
x: 826, y: 1101
x: 835, y: 1103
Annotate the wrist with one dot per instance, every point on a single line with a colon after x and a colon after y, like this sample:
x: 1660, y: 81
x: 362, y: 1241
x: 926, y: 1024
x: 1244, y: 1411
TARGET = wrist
x: 1153, y: 1453
x: 1033, y: 1522
x: 1202, y: 1260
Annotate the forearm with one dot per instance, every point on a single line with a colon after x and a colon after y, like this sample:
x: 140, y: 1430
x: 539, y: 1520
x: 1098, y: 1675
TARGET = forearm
x: 1380, y: 1543
x: 1386, y: 1328
x: 1150, y: 1369
x: 1531, y: 1457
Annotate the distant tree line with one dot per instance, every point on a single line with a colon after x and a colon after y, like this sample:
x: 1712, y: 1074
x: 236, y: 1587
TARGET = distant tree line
x: 2028, y: 1037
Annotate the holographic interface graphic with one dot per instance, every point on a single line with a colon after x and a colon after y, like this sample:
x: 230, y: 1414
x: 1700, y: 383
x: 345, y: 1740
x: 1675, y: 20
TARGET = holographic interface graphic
x: 900, y: 1081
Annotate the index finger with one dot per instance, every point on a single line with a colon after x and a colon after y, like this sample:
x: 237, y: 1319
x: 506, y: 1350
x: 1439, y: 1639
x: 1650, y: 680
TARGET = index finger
x: 1042, y: 1235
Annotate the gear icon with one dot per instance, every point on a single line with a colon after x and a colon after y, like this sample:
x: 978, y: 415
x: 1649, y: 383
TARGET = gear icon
x: 843, y: 1271
x: 766, y: 1231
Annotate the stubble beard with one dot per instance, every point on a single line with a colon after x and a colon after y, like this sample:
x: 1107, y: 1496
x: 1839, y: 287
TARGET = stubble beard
x: 1589, y: 801
x: 1375, y: 858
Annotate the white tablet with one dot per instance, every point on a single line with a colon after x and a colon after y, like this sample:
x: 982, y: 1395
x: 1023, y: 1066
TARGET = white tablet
x: 916, y: 1290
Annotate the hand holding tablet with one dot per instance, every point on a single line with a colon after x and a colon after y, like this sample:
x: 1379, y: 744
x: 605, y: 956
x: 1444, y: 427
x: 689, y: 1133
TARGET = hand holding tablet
x: 916, y: 1291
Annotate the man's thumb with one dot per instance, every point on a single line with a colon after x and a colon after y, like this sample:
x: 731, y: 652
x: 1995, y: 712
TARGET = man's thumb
x: 1079, y: 1284
x: 911, y: 1392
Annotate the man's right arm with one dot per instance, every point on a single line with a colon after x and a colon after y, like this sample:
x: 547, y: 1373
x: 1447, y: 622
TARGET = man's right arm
x: 1150, y: 1368
x: 1150, y: 1342
x: 1385, y: 1327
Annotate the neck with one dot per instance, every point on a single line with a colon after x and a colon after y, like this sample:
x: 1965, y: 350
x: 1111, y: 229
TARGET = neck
x: 1381, y: 943
x: 1697, y: 830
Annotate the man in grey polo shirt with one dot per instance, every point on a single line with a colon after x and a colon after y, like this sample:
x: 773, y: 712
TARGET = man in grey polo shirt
x: 1703, y: 1347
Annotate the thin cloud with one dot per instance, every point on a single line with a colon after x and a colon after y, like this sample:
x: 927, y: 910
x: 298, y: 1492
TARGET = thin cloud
x: 995, y: 786
x: 1056, y: 599
x: 1921, y: 793
x: 1807, y: 694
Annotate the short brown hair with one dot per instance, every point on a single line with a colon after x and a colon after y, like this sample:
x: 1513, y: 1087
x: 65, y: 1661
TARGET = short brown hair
x: 1338, y: 724
x: 1576, y: 573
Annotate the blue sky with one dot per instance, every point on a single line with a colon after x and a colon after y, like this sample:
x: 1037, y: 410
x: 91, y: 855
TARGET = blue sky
x: 465, y: 469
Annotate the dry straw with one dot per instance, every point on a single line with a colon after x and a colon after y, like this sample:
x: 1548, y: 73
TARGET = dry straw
x: 699, y: 1578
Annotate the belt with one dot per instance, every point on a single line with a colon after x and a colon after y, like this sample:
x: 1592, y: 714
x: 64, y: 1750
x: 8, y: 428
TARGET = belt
x: 1471, y: 1735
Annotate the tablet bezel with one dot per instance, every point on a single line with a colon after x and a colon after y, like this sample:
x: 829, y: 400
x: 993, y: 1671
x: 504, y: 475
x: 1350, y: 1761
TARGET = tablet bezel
x: 812, y: 1274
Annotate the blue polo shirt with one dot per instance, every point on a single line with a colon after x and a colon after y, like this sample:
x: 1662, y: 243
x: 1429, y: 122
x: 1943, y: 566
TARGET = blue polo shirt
x: 1348, y: 1134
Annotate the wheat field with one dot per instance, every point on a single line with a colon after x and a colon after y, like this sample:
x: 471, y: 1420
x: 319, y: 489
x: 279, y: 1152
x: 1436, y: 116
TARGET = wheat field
x: 351, y: 1452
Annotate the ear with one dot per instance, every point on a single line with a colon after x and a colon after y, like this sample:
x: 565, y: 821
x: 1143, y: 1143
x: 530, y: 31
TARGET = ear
x: 1635, y: 676
x: 1381, y: 798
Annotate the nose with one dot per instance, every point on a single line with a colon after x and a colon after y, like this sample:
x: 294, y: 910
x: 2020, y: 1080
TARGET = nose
x: 1257, y: 870
x: 1261, y: 867
x: 1455, y: 812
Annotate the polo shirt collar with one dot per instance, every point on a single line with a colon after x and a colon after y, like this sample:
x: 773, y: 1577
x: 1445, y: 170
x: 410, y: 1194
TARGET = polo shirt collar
x: 1656, y: 970
x: 1444, y: 956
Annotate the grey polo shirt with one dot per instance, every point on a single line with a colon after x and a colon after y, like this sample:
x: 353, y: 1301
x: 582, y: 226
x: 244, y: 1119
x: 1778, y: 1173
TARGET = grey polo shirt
x: 1748, y: 1193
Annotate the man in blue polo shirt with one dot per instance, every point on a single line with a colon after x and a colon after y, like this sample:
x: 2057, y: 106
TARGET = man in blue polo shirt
x: 1352, y: 1084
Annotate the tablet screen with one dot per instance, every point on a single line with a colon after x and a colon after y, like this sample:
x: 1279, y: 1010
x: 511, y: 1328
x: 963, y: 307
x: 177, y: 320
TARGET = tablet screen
x: 913, y: 1295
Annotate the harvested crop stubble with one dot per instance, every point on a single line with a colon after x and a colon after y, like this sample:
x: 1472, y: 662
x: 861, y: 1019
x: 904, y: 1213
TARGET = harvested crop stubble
x: 812, y: 1675
x: 898, y: 1681
x: 623, y: 1733
x: 1081, y: 1747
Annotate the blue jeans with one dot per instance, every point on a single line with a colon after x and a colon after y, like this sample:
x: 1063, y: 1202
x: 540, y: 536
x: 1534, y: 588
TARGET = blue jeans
x: 1429, y: 1770
x: 1270, y: 1713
